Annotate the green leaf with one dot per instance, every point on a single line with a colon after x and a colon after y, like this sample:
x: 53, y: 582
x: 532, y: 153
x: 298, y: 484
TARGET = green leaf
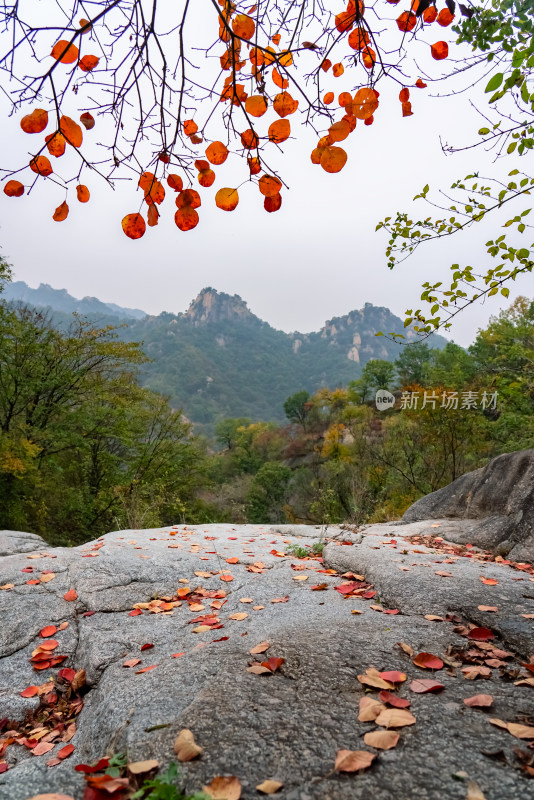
x: 483, y: 131
x: 511, y: 147
x: 505, y: 292
x: 494, y: 82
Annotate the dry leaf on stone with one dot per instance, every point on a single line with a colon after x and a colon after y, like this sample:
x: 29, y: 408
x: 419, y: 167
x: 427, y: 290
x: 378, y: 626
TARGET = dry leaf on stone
x: 140, y: 767
x: 428, y: 661
x: 224, y: 788
x: 370, y: 709
x: 239, y: 616
x: 300, y: 577
x: 372, y: 678
x: 353, y: 760
x: 269, y: 787
x: 474, y: 792
x: 51, y: 796
x: 246, y: 600
x: 259, y: 648
x: 382, y: 740
x: 479, y: 701
x: 395, y: 718
x: 406, y: 648
x: 185, y: 747
x: 521, y: 731
x: 257, y: 669
x: 424, y: 685
x: 488, y: 608
x: 433, y: 618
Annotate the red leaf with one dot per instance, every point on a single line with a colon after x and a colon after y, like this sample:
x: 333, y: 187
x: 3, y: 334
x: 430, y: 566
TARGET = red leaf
x: 135, y: 613
x: 481, y: 634
x: 70, y: 595
x: 394, y: 676
x: 65, y: 751
x: 427, y: 661
x: 392, y: 699
x: 422, y: 685
x: 30, y: 691
x: 146, y: 646
x: 49, y: 630
x: 67, y: 674
x: 273, y: 663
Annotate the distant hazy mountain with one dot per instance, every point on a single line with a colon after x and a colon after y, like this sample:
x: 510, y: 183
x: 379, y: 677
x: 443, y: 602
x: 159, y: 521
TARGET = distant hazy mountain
x: 61, y: 300
x: 217, y: 359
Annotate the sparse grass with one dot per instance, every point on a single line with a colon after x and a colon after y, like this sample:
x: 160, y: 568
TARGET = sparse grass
x: 299, y: 551
x: 163, y: 787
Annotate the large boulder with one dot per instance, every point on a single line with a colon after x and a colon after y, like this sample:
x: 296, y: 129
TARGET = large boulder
x: 495, y: 504
x: 12, y: 542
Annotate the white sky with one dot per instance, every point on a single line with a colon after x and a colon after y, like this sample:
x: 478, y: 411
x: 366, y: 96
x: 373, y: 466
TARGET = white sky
x: 316, y: 258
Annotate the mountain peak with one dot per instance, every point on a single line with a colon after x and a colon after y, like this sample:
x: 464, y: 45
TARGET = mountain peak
x: 213, y: 306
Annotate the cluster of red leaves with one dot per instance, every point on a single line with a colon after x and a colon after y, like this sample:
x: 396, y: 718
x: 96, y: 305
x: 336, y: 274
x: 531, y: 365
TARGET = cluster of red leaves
x: 52, y: 722
x: 238, y: 32
x: 119, y: 782
x: 466, y: 551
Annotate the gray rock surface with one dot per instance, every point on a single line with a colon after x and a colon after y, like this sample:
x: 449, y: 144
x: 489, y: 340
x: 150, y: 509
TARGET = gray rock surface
x: 288, y: 725
x: 495, y: 502
x: 12, y: 542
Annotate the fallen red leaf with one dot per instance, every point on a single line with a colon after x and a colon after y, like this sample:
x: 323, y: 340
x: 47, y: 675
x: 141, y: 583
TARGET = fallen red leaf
x: 70, y: 595
x: 65, y: 751
x: 135, y: 613
x: 273, y: 663
x: 146, y: 646
x: 427, y: 661
x: 481, y: 634
x: 479, y: 701
x: 392, y: 699
x: 423, y: 685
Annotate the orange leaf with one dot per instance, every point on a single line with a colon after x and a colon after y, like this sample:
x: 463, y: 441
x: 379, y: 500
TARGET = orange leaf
x: 59, y: 215
x: 338, y: 70
x: 88, y: 63
x: 249, y: 139
x: 243, y: 26
x: 365, y: 103
x: 227, y: 578
x: 65, y: 52
x: 353, y: 760
x: 333, y: 159
x: 216, y: 153
x: 175, y: 182
x: 344, y: 21
x: 152, y: 216
x: 83, y: 193
x: 41, y: 165
x: 419, y: 83
x: 190, y: 127
x: 427, y: 661
x: 394, y: 676
x: 49, y: 630
x: 339, y: 131
x: 71, y: 131
x: 30, y: 691
x: 227, y: 199
x: 445, y: 17
x: 279, y: 130
x: 188, y: 197
x: 35, y: 122
x: 368, y: 57
x: 344, y: 99
x: 256, y: 105
x: 70, y: 595
x: 407, y: 21
x: 186, y: 218
x: 87, y: 120
x: 259, y: 648
x: 233, y: 560
x: 269, y: 185
x: 430, y: 14
x: 404, y: 95
x: 382, y: 740
x: 407, y: 112
x: 55, y: 143
x: 395, y: 718
x: 284, y: 104
x: 439, y: 51
x: 254, y: 165
x: 273, y: 203
x: 328, y: 98
x: 65, y: 751
x: 146, y: 669
x: 282, y: 83
x: 206, y: 177
x: 14, y: 189
x: 134, y: 227
x: 358, y: 39
x: 325, y: 66
x: 273, y: 663
x: 489, y: 581
x: 226, y: 787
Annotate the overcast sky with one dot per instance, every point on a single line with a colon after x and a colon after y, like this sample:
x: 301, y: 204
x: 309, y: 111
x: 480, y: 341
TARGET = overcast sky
x: 316, y: 258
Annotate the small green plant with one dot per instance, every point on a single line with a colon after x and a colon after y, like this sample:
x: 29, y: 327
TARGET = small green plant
x: 116, y: 765
x: 317, y: 548
x: 163, y: 787
x: 297, y: 550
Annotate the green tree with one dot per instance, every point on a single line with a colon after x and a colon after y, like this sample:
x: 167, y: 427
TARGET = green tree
x: 413, y: 364
x: 267, y: 493
x: 297, y: 407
